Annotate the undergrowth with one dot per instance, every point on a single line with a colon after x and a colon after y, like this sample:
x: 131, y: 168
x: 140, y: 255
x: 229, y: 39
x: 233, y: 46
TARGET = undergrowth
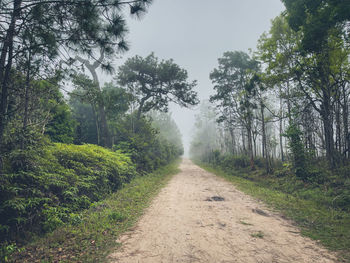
x: 315, y: 210
x: 93, y: 234
x: 45, y: 187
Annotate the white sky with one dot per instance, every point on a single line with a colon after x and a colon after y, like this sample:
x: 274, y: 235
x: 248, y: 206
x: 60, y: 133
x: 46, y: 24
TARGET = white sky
x: 195, y: 33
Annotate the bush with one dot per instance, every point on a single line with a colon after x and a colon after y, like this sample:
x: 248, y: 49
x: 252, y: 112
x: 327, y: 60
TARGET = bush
x: 143, y: 144
x: 260, y: 162
x: 42, y: 188
x: 240, y: 161
x: 297, y: 149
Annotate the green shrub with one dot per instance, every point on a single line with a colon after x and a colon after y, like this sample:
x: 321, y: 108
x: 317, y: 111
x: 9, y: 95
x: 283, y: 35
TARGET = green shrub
x: 260, y: 162
x: 143, y: 144
x: 6, y: 250
x: 297, y: 149
x: 233, y: 161
x: 116, y: 216
x: 43, y: 188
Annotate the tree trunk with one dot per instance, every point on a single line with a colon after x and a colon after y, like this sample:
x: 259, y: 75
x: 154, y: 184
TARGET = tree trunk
x: 233, y: 141
x: 105, y: 136
x: 250, y: 144
x: 243, y: 143
x: 345, y: 113
x: 281, y: 126
x: 26, y: 96
x: 26, y: 101
x: 97, y: 123
x: 264, y: 144
x: 338, y: 144
x: 254, y: 145
x: 288, y: 102
x: 263, y: 131
x: 106, y: 139
x: 281, y: 139
x: 328, y: 130
x: 7, y: 51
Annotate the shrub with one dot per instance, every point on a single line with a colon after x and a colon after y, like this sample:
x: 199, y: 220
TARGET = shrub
x: 240, y: 161
x: 143, y: 144
x: 297, y: 149
x: 260, y: 162
x: 43, y: 188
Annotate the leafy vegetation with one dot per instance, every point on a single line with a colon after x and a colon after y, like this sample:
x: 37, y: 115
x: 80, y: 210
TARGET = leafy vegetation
x: 146, y: 145
x: 93, y: 232
x: 51, y: 168
x: 44, y: 188
x: 278, y: 122
x: 320, y: 206
x: 279, y: 115
x: 154, y: 84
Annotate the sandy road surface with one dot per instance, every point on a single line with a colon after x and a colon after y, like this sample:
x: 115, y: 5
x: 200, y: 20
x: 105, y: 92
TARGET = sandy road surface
x: 186, y: 224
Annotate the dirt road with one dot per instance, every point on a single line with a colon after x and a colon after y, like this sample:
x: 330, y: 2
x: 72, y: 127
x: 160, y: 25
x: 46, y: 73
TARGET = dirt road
x: 199, y: 217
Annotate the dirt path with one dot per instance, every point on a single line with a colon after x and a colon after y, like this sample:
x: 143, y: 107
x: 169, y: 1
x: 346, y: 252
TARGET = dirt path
x: 186, y: 224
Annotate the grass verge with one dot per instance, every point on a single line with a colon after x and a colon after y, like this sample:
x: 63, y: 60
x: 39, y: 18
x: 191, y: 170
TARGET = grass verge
x: 96, y: 230
x: 329, y: 226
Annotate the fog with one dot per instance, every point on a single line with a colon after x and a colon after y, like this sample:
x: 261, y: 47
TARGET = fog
x: 195, y: 33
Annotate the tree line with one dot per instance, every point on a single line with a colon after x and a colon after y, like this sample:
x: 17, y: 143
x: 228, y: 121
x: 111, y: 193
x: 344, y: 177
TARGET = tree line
x: 67, y: 139
x: 289, y: 99
x: 48, y: 46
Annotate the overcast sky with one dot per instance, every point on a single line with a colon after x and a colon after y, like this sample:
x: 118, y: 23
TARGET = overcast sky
x: 195, y: 33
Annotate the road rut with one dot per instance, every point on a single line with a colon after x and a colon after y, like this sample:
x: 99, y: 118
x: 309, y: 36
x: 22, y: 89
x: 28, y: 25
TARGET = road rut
x: 199, y: 217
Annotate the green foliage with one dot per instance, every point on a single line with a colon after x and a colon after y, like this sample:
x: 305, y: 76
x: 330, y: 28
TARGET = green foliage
x: 313, y: 206
x: 92, y: 233
x: 43, y: 187
x: 85, y: 118
x: 232, y: 83
x: 232, y: 161
x: 46, y: 112
x: 138, y: 139
x: 154, y: 84
x: 61, y: 127
x: 7, y: 249
x: 315, y: 19
x: 319, y: 184
x: 167, y: 129
x: 296, y: 147
x: 116, y: 101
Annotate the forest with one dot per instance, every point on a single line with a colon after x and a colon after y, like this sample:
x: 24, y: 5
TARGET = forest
x: 68, y: 139
x: 286, y: 101
x: 278, y: 117
x: 280, y: 114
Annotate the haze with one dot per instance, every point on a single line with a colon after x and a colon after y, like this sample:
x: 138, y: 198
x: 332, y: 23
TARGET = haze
x: 195, y: 34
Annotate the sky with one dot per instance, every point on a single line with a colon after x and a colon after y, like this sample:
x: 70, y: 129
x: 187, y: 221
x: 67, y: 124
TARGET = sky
x: 195, y: 33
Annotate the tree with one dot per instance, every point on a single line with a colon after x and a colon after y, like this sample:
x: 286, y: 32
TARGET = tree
x: 316, y: 18
x: 204, y: 140
x: 309, y: 79
x: 234, y: 92
x: 154, y: 84
x: 61, y: 127
x: 47, y: 32
x: 167, y: 128
x: 105, y: 138
x: 45, y: 112
x: 88, y: 98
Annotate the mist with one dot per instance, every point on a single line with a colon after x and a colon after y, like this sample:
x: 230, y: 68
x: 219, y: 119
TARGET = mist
x: 195, y: 34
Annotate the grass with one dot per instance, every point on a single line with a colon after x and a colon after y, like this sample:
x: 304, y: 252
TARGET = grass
x: 96, y: 230
x: 328, y: 225
x: 258, y: 234
x: 245, y: 223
